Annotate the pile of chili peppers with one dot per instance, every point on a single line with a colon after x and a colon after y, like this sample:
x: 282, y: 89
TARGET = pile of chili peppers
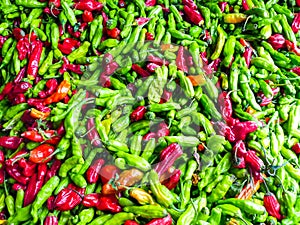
x: 149, y: 112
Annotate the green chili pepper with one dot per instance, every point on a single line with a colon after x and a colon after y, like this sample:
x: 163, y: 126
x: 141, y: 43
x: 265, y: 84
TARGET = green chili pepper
x: 31, y: 3
x: 101, y: 219
x: 221, y: 41
x: 119, y: 218
x: 147, y: 211
x: 69, y: 164
x: 43, y: 195
x: 79, y: 52
x: 247, y: 92
x: 135, y: 161
x: 221, y: 189
x: 69, y: 13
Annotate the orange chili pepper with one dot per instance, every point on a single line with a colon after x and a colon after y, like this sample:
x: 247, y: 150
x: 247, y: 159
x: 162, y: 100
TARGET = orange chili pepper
x: 34, y: 113
x: 197, y: 80
x: 249, y: 190
x: 60, y: 94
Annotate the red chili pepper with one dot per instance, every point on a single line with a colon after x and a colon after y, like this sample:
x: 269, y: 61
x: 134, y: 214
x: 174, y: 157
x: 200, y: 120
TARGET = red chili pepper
x: 157, y: 60
x: 142, y: 20
x: 245, y: 5
x: 42, y: 153
x: 225, y: 131
x: 110, y: 68
x: 207, y: 37
x: 28, y: 167
x: 222, y: 6
x: 17, y: 186
x: 149, y: 36
x: 18, y: 33
x: 89, y: 5
x: 91, y: 200
x: 10, y: 142
x: 272, y: 205
x: 277, y: 41
x: 254, y: 162
x: 87, y: 16
x: 70, y: 30
x: 105, y: 80
x: 67, y: 199
x: 161, y: 221
x: 2, y: 157
x: 20, y: 154
x: 190, y: 3
x: 109, y: 203
x: 34, y: 59
x: 167, y: 95
x: 292, y: 47
x: 2, y: 175
x: 51, y: 84
x: 92, y: 134
x: 173, y: 180
x: 151, y: 67
x: 163, y: 130
x: 55, y: 3
x: 296, y: 23
x: 140, y: 71
x: 266, y: 101
x: 50, y: 203
x: 167, y: 158
x: 131, y: 222
x: 239, y: 149
x: 51, y: 220
x: 107, y: 172
x: 2, y: 40
x: 181, y: 60
x: 150, y: 3
x: 53, y: 169
x: 20, y: 75
x: 298, y: 2
x: 51, y: 11
x: 138, y: 113
x: 248, y: 55
x: 113, y: 33
x: 149, y: 136
x: 122, y: 3
x: 296, y: 70
x: 34, y: 186
x: 6, y: 90
x: 14, y: 172
x: 193, y: 15
x: 296, y: 148
x: 42, y: 171
x: 214, y: 64
x: 21, y: 87
x: 92, y: 174
x: 225, y: 104
x: 242, y: 129
x: 23, y: 48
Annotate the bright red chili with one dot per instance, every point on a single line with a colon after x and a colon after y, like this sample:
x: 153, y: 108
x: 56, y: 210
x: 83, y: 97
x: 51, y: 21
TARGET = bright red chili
x: 272, y: 205
x: 34, y: 59
x: 138, y: 113
x: 42, y: 153
x: 181, y: 60
x: 194, y: 15
x: 89, y: 5
x: 277, y: 41
x: 10, y: 142
x: 92, y: 174
x: 140, y: 71
x: 173, y: 180
x: 107, y: 172
x: 87, y: 16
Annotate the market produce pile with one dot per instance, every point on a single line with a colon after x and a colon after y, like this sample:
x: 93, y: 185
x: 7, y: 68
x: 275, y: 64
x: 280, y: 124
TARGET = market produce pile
x: 149, y: 112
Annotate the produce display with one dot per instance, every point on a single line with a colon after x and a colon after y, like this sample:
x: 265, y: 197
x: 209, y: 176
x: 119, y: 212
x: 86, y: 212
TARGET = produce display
x: 149, y: 112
